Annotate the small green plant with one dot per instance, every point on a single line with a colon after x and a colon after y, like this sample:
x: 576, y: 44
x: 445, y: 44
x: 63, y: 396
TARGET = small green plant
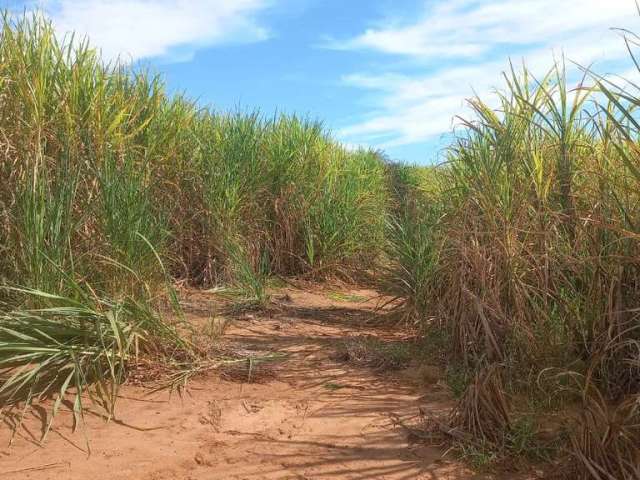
x: 346, y: 297
x: 457, y: 378
x: 333, y: 386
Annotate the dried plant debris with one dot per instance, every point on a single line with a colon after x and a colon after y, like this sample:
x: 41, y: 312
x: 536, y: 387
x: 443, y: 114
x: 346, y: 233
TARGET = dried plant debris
x: 370, y: 351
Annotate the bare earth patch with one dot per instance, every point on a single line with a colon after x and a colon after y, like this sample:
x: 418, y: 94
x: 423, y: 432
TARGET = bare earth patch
x: 311, y: 417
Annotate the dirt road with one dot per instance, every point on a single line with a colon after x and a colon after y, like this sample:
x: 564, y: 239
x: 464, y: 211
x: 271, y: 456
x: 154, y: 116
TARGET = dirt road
x: 310, y: 416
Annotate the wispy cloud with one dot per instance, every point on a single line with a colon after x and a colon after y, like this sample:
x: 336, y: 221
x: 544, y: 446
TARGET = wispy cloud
x: 136, y: 29
x: 458, y: 47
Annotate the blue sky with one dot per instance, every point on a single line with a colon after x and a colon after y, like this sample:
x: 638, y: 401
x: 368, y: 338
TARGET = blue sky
x: 381, y: 73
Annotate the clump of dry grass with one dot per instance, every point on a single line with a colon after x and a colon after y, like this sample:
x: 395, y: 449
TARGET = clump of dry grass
x: 605, y: 444
x: 483, y: 411
x: 370, y: 351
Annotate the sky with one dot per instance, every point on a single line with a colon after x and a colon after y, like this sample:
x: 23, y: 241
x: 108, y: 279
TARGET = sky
x: 386, y: 74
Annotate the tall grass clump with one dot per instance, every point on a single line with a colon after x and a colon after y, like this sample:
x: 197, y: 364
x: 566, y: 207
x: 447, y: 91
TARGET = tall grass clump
x: 412, y: 243
x: 534, y: 258
x: 110, y: 189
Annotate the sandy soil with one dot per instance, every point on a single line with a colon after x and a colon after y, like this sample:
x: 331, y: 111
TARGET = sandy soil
x: 312, y: 417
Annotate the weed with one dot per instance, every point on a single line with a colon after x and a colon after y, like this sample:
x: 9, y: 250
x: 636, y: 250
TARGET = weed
x: 346, y: 297
x: 333, y: 386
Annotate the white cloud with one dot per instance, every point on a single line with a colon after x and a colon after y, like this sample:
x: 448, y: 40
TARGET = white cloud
x: 467, y: 28
x: 458, y: 47
x: 135, y: 29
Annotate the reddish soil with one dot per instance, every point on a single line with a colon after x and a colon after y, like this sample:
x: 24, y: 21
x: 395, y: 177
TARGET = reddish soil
x: 308, y: 416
